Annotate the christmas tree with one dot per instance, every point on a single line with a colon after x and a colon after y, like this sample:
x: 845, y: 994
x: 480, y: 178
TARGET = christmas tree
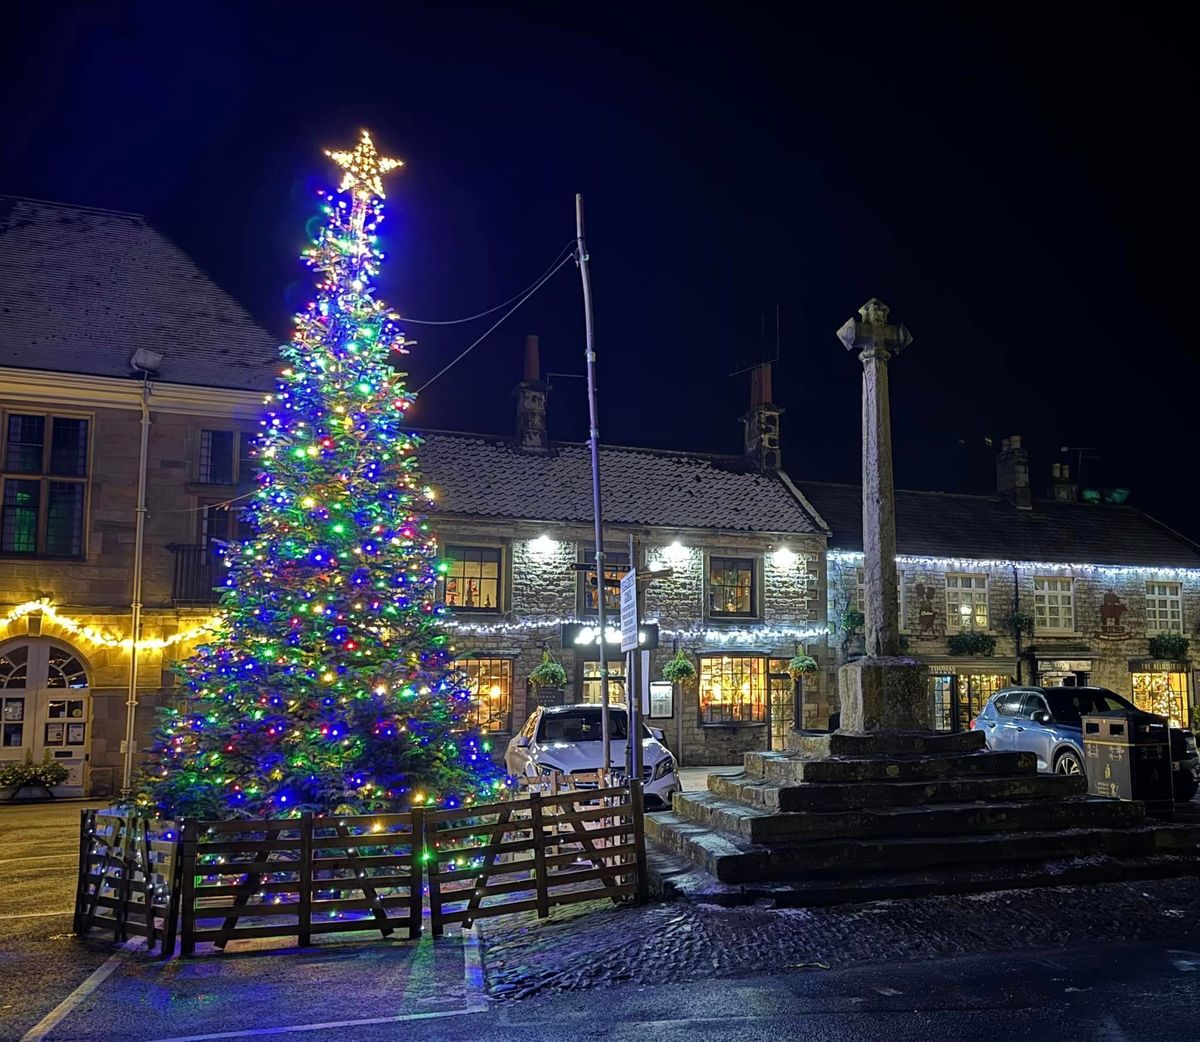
x: 328, y: 684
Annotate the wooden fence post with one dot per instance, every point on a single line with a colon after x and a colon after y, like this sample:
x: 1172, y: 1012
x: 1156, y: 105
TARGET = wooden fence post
x: 429, y: 833
x: 86, y: 826
x: 306, y: 874
x: 541, y: 880
x: 171, y: 918
x: 638, y: 810
x: 416, y: 870
x: 187, y: 888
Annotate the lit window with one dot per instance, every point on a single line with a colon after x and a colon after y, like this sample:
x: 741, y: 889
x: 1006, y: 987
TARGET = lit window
x: 1054, y: 604
x: 489, y: 681
x: 731, y: 587
x: 45, y: 485
x: 591, y: 682
x: 471, y: 578
x: 1164, y: 608
x: 966, y: 602
x: 615, y: 567
x: 733, y: 689
x: 1165, y: 694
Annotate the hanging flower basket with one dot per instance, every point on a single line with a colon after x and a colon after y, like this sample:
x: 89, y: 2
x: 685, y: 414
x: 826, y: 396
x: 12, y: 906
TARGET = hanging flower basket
x: 679, y: 670
x: 801, y: 666
x: 548, y: 673
x: 1169, y: 646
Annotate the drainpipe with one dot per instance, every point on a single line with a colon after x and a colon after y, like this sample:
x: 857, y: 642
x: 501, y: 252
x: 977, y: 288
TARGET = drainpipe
x: 135, y: 608
x: 677, y: 705
x: 1016, y: 607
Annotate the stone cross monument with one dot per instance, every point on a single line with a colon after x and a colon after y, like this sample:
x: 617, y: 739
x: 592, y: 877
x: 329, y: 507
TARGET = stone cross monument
x: 882, y: 691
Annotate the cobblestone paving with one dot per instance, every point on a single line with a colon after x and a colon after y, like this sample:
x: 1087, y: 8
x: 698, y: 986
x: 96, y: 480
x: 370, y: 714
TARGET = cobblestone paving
x: 595, y: 945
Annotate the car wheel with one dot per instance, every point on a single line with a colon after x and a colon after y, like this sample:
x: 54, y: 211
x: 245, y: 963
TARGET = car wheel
x: 1068, y: 763
x: 1186, y: 789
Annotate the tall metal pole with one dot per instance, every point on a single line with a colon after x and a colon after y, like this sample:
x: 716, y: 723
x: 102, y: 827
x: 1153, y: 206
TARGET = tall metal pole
x: 135, y: 609
x: 581, y: 258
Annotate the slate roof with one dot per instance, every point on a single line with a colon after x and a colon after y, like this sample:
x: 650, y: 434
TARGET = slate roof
x: 942, y: 524
x: 489, y: 477
x: 82, y: 289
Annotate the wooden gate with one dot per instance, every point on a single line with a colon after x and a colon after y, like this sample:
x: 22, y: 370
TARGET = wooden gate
x: 534, y: 853
x: 300, y: 876
x: 128, y: 878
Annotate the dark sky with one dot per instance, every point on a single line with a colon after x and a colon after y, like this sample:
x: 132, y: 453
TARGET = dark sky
x: 1018, y: 185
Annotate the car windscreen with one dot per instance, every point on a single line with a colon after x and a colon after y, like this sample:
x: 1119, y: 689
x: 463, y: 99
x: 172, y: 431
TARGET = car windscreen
x: 582, y: 725
x: 1068, y: 704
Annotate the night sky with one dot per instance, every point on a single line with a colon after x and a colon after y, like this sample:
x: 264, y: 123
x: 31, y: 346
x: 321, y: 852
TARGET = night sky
x: 1017, y: 185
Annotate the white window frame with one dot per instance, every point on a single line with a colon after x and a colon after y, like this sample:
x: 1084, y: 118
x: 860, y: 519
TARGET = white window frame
x: 954, y: 598
x: 1049, y: 596
x: 1161, y: 604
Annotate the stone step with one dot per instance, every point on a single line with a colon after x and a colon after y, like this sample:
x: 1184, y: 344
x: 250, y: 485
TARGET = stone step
x: 730, y: 861
x: 815, y: 796
x: 883, y: 743
x: 778, y: 766
x: 762, y: 825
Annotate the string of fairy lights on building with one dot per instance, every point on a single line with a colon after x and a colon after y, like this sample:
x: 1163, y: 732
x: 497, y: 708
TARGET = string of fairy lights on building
x: 980, y: 564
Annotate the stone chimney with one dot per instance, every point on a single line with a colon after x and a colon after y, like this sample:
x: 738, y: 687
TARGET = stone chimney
x: 531, y: 402
x: 1062, y: 488
x: 1012, y: 473
x: 762, y: 421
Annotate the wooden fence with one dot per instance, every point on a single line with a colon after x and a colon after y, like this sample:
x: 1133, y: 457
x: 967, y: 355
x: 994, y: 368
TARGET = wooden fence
x: 128, y: 878
x: 296, y: 877
x: 534, y: 853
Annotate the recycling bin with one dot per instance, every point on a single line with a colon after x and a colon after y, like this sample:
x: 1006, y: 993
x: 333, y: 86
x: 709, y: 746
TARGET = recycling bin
x: 1127, y: 756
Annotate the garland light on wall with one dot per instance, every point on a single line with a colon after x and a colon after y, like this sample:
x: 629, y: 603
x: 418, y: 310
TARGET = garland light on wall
x: 98, y: 637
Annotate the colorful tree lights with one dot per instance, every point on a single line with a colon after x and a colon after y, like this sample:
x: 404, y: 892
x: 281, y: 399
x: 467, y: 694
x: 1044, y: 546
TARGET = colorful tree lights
x: 328, y: 685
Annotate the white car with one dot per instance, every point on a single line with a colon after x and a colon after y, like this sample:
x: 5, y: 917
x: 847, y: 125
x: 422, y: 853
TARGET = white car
x: 567, y: 740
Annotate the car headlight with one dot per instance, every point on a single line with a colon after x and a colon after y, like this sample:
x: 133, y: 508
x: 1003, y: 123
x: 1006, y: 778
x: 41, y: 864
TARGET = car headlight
x: 664, y: 767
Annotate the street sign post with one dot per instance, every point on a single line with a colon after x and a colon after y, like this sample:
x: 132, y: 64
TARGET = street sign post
x: 629, y: 612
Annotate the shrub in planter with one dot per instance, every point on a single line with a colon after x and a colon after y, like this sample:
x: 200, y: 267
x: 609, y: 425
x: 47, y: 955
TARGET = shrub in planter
x: 679, y: 670
x: 970, y: 643
x: 548, y: 673
x: 1169, y: 645
x: 801, y: 666
x: 19, y: 775
x: 1020, y: 623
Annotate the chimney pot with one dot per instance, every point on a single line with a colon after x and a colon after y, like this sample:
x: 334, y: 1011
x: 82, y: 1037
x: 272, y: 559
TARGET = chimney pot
x: 533, y: 364
x: 762, y: 421
x: 531, y: 402
x: 1012, y: 473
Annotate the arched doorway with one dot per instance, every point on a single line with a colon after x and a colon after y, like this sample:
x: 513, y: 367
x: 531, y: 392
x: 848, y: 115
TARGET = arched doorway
x: 46, y: 707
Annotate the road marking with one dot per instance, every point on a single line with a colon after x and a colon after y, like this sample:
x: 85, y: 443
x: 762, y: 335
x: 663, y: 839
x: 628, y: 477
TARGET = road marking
x: 98, y: 976
x: 37, y: 915
x: 1184, y: 960
x: 38, y: 857
x: 255, y: 1032
x: 476, y: 1003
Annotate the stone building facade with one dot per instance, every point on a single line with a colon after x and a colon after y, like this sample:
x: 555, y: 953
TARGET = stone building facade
x: 85, y: 290
x: 741, y: 588
x: 1100, y: 582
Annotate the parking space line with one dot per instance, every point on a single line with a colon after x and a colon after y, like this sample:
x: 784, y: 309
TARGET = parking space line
x: 327, y: 1025
x: 98, y: 976
x: 37, y: 915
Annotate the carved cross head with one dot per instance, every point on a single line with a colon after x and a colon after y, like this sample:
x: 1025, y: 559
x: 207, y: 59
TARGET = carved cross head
x: 871, y: 335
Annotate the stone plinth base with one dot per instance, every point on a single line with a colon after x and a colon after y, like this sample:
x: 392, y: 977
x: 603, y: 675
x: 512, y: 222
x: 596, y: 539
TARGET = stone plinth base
x: 884, y: 694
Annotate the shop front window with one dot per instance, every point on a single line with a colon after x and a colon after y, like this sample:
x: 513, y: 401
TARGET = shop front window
x: 941, y: 693
x: 1165, y: 694
x: 616, y: 682
x: 490, y: 682
x: 733, y: 689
